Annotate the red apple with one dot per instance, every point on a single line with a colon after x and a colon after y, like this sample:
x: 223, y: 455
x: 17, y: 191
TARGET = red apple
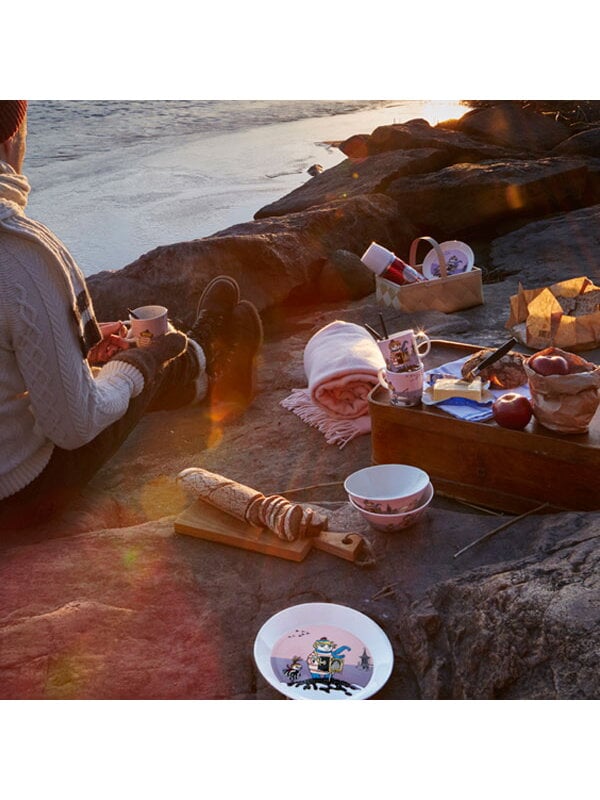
x: 549, y: 365
x: 512, y: 410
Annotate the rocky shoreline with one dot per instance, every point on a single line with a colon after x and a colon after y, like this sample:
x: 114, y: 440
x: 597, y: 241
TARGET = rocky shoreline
x: 476, y: 178
x: 111, y: 603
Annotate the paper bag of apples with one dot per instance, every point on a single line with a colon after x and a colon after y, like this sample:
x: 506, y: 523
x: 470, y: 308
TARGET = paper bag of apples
x: 565, y: 315
x: 565, y: 389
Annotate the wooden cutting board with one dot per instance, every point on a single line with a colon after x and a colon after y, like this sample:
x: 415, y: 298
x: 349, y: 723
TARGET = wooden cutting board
x: 207, y: 522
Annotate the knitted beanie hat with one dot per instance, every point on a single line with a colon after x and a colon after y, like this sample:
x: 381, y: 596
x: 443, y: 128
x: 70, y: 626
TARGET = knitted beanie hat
x: 12, y: 113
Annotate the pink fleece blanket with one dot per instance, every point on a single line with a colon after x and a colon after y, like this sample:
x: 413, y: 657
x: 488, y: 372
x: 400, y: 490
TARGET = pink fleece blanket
x: 341, y: 362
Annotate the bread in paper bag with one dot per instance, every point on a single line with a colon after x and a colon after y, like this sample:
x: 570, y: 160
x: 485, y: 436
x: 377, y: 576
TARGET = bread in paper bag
x: 565, y: 403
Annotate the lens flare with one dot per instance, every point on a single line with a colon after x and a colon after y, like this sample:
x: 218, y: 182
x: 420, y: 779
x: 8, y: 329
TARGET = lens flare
x: 435, y: 111
x: 514, y: 197
x: 215, y: 437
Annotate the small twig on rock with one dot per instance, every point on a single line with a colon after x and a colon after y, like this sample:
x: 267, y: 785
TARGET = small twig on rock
x: 389, y: 589
x: 501, y: 528
x: 480, y: 508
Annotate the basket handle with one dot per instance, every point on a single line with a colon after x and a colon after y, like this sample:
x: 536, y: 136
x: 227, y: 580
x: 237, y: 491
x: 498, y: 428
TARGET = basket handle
x: 412, y: 259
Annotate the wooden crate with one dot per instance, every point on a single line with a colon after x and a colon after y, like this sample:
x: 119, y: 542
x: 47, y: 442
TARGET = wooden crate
x: 482, y: 463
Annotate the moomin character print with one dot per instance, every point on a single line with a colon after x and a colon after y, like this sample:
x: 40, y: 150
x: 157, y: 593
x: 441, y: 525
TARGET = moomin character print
x: 326, y: 658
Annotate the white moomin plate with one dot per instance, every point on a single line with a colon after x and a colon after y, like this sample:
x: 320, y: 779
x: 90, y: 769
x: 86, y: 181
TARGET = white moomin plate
x: 323, y: 651
x: 458, y: 255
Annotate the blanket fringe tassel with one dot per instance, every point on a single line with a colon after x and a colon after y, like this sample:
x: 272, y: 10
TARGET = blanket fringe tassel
x: 335, y: 431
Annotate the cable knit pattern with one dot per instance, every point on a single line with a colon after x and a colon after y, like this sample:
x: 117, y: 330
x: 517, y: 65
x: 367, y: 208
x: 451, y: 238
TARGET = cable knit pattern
x: 48, y: 394
x: 14, y: 190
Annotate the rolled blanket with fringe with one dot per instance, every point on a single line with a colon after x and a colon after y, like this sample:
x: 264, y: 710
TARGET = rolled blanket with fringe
x: 341, y: 362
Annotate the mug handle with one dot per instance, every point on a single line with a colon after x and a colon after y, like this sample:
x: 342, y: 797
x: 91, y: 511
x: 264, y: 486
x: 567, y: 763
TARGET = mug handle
x: 382, y: 381
x: 425, y: 341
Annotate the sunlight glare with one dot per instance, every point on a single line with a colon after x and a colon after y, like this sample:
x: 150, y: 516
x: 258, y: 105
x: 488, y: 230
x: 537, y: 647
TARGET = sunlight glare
x: 435, y: 111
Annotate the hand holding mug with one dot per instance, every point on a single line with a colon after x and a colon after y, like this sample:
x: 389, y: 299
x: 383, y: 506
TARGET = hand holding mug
x: 113, y: 339
x: 148, y: 322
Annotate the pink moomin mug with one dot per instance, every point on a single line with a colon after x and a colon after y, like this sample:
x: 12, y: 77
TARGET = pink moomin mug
x: 405, y: 388
x: 403, y: 351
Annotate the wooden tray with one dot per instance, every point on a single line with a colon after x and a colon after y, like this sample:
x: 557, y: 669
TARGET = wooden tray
x: 482, y: 463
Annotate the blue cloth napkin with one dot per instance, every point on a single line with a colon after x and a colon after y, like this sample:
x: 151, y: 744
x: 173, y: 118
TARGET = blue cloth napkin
x: 460, y: 407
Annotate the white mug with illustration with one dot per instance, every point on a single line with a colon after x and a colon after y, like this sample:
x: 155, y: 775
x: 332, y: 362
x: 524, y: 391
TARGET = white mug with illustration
x: 405, y: 388
x: 404, y: 350
x: 146, y: 322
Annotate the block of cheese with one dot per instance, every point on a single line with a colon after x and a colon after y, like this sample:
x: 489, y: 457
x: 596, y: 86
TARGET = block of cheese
x: 445, y: 388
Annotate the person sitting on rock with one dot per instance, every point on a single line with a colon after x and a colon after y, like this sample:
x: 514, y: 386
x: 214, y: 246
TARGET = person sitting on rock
x: 67, y: 400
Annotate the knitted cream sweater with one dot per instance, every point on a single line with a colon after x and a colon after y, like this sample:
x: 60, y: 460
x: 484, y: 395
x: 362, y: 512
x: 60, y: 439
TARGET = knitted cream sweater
x: 48, y: 394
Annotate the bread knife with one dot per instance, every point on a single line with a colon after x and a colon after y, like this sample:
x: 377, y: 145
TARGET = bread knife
x: 492, y: 358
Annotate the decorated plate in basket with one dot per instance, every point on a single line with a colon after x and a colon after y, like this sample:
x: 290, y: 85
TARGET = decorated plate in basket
x: 459, y: 258
x: 323, y: 651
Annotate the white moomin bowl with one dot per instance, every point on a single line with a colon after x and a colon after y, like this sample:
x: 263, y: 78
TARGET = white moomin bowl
x: 390, y: 523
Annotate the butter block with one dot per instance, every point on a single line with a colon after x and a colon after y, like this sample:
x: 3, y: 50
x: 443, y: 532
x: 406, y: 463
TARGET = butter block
x: 445, y: 388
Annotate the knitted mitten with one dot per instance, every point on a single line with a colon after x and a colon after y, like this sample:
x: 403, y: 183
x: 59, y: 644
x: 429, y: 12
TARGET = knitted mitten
x: 150, y: 359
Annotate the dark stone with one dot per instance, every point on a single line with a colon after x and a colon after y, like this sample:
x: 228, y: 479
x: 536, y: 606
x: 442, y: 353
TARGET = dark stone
x: 419, y: 134
x: 345, y: 277
x: 355, y: 177
x: 586, y: 143
x: 508, y: 125
x: 356, y: 146
x: 464, y: 196
x: 552, y: 249
x: 592, y: 195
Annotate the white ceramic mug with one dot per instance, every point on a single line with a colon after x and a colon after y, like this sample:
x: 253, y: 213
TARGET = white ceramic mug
x: 405, y: 388
x: 148, y: 322
x: 403, y: 350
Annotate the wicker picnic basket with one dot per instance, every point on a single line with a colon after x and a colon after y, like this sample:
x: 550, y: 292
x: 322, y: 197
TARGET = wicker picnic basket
x: 447, y: 293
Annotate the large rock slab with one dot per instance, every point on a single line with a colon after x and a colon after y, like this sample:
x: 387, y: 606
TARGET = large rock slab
x: 470, y: 196
x: 586, y: 143
x: 419, y: 133
x: 550, y: 250
x: 108, y: 615
x: 109, y: 603
x: 354, y: 177
x: 274, y: 260
x: 507, y: 125
x: 525, y: 629
x: 141, y: 612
